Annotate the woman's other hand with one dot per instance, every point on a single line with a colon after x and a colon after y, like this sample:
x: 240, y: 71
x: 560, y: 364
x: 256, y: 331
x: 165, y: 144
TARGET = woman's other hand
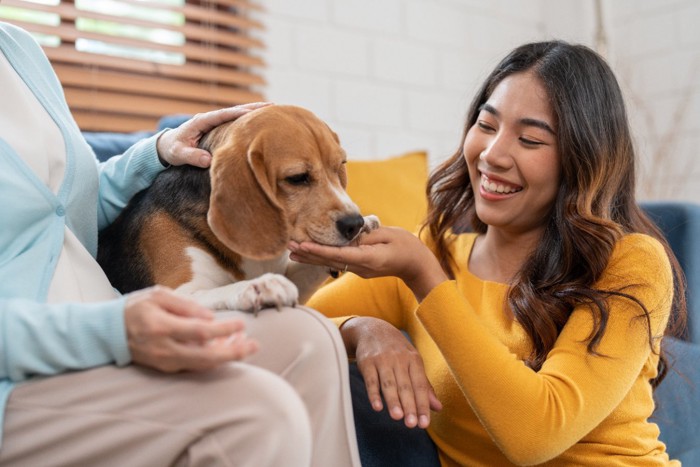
x: 391, y: 367
x: 386, y: 251
x: 179, y: 146
x: 172, y: 333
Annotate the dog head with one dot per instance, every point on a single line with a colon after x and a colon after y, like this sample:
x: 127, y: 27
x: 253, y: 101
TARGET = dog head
x: 278, y: 174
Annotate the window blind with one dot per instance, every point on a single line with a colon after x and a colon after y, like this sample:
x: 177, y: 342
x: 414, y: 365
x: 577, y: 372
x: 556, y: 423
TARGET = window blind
x: 124, y: 64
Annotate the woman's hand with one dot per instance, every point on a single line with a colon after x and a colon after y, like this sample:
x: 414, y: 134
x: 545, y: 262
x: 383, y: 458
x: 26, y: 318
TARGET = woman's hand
x: 179, y: 146
x: 391, y: 367
x: 386, y: 251
x: 172, y: 333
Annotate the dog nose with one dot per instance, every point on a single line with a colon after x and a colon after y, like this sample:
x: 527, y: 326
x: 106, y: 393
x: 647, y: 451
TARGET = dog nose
x: 349, y: 226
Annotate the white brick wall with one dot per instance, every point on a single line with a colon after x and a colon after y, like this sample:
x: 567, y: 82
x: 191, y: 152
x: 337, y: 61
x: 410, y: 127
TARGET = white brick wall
x: 391, y: 76
x: 656, y: 45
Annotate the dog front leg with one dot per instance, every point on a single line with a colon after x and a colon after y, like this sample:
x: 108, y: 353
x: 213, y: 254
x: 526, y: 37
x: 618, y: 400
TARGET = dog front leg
x: 268, y: 290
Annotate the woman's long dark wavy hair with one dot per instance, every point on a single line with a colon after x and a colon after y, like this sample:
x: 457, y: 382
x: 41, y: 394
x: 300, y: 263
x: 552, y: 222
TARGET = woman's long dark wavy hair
x: 594, y: 208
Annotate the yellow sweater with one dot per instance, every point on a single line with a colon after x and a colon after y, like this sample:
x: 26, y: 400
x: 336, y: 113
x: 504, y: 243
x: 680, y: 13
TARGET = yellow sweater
x: 579, y: 409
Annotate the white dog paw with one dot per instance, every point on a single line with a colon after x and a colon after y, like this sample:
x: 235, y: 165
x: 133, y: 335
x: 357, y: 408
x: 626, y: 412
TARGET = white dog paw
x: 371, y: 223
x: 268, y: 290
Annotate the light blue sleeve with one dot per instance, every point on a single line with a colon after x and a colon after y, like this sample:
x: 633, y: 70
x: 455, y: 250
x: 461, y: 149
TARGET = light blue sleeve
x: 121, y: 177
x: 43, y: 339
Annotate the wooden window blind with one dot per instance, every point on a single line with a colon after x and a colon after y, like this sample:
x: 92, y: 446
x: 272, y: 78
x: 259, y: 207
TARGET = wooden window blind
x: 125, y: 63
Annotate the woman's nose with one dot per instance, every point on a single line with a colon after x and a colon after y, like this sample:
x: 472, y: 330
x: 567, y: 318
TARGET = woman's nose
x: 496, y: 153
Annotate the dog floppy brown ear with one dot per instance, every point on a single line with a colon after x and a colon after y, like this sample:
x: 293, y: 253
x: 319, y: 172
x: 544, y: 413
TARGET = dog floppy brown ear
x: 243, y: 211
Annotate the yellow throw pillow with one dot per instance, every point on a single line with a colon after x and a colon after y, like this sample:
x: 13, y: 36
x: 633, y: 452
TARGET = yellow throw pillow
x: 392, y: 189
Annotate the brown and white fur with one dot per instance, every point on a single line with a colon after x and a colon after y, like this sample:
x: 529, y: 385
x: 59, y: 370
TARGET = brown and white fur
x: 221, y: 234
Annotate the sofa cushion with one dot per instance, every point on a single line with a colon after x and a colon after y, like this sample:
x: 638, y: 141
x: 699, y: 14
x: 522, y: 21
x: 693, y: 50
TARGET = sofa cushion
x: 392, y: 189
x: 680, y: 224
x: 106, y: 144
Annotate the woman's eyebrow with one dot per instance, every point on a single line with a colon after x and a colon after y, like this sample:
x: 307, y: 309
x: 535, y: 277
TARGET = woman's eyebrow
x: 523, y: 121
x: 489, y: 108
x: 538, y: 123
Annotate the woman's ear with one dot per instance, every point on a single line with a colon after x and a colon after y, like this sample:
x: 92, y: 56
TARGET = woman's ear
x: 243, y: 210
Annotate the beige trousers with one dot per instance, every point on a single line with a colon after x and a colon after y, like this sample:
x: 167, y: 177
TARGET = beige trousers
x: 287, y: 405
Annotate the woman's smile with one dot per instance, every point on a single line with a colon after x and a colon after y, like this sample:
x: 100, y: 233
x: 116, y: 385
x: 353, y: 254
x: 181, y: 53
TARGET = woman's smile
x: 494, y: 188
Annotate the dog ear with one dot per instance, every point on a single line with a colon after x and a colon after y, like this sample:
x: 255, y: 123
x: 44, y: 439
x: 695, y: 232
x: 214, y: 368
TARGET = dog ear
x: 243, y: 211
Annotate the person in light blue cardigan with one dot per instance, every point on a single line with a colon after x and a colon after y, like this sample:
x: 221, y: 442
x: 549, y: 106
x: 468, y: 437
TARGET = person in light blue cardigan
x: 91, y: 377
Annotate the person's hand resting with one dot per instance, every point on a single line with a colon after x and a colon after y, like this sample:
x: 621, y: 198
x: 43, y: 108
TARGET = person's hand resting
x: 172, y: 333
x: 386, y: 251
x: 179, y: 146
x: 391, y: 367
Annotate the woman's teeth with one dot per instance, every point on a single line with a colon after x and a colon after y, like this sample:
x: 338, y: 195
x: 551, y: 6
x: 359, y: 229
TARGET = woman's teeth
x: 494, y: 187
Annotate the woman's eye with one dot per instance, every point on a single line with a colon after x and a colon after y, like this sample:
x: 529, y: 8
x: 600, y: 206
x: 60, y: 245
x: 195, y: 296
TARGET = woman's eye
x: 530, y: 142
x: 484, y: 126
x: 299, y: 179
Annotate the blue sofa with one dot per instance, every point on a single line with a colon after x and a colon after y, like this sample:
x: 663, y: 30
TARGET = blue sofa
x: 678, y: 397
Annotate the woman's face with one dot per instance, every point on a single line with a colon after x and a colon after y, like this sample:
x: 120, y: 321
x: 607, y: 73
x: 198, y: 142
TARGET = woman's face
x: 512, y: 155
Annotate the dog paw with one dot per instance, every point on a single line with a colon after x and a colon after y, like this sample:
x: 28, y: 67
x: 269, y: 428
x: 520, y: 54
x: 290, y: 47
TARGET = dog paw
x: 371, y: 223
x: 268, y: 290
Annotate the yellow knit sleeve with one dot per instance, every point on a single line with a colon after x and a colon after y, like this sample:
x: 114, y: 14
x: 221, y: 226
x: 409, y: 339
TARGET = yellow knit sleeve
x: 385, y: 297
x: 535, y: 416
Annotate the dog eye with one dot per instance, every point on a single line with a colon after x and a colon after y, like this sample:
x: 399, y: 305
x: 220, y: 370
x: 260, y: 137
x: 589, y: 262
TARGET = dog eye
x: 299, y: 179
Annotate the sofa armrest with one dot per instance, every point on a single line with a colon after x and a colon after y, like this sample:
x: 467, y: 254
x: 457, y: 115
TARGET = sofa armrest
x: 678, y: 402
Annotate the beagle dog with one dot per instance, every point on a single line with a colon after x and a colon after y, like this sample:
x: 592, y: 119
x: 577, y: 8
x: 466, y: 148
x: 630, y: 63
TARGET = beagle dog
x: 221, y: 234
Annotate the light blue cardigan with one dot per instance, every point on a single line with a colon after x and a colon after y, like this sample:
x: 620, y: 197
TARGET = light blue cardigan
x: 37, y: 338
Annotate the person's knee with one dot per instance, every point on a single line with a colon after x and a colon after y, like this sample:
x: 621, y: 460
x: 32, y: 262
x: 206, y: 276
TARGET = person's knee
x: 301, y: 332
x: 312, y: 328
x: 321, y: 345
x: 302, y: 346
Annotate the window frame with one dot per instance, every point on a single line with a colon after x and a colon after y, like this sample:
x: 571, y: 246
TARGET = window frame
x: 219, y: 68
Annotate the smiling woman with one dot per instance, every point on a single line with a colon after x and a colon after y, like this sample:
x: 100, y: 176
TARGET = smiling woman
x: 125, y: 63
x: 536, y: 337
